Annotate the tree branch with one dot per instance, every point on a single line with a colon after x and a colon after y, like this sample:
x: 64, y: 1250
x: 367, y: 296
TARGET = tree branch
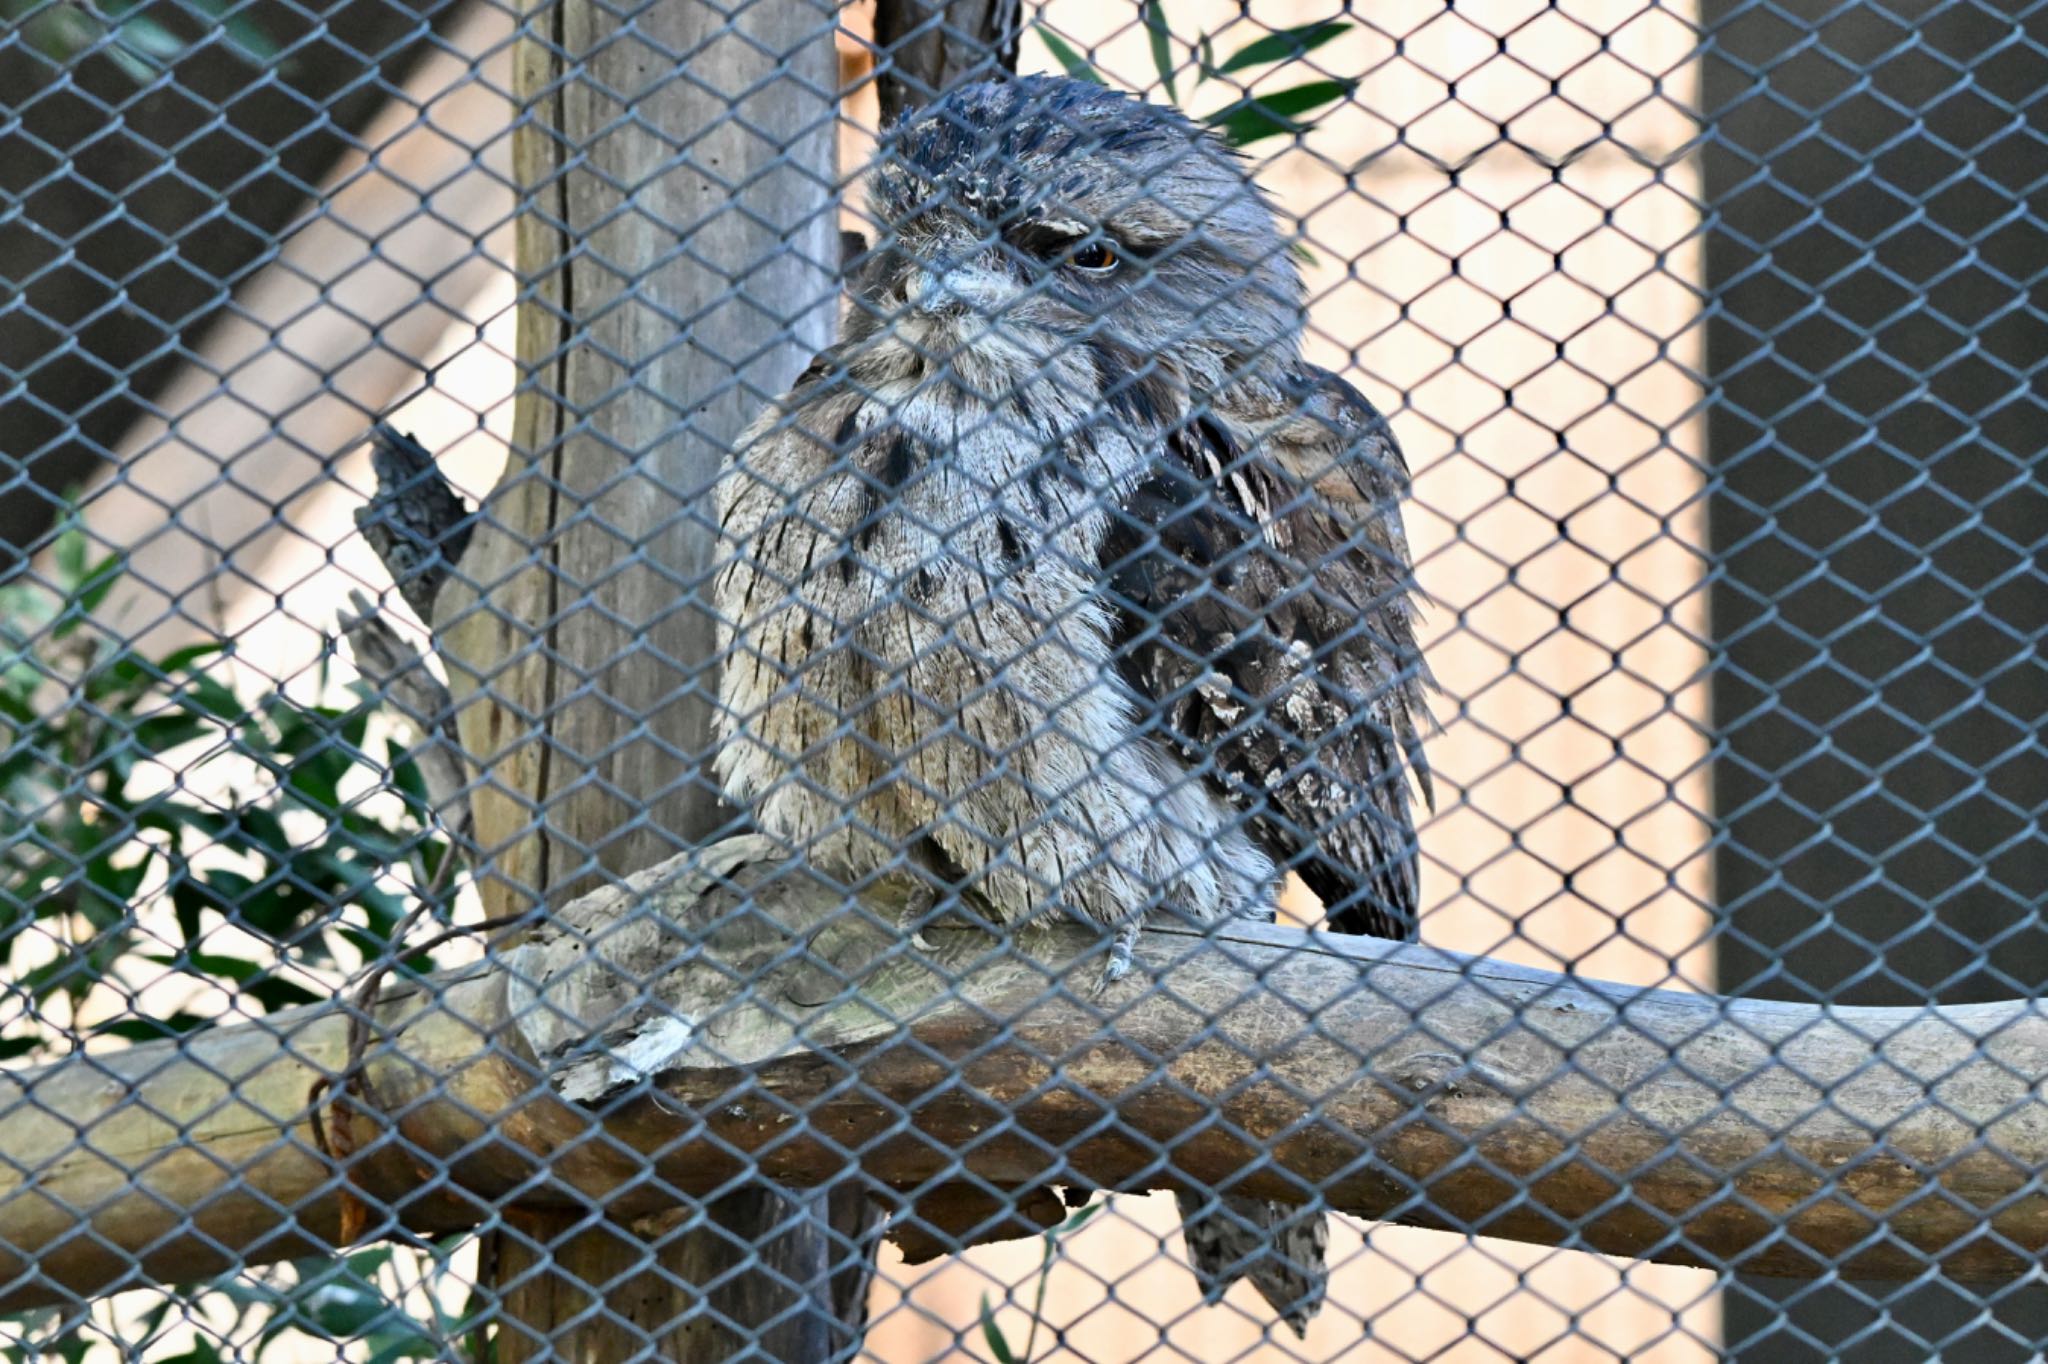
x: 1402, y: 1083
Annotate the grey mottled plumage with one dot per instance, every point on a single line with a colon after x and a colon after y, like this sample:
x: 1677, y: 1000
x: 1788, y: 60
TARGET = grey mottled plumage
x: 1062, y: 578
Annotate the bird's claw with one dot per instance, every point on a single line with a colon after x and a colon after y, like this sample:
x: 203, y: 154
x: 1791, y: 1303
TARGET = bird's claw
x: 1121, y: 949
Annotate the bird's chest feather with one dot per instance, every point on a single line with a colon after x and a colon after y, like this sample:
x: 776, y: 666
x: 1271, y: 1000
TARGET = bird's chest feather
x: 940, y: 574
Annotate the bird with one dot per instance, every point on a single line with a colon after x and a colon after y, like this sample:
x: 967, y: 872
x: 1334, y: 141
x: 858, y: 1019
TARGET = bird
x: 1062, y: 580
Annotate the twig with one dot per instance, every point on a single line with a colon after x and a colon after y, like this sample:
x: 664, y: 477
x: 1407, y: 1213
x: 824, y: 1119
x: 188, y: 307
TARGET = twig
x: 400, y: 674
x: 332, y: 1135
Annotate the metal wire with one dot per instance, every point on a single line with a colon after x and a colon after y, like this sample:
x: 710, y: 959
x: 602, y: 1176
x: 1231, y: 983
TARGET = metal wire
x: 1712, y: 336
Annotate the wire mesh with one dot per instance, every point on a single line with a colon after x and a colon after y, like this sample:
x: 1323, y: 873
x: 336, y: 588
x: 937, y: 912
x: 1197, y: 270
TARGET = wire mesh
x: 601, y: 653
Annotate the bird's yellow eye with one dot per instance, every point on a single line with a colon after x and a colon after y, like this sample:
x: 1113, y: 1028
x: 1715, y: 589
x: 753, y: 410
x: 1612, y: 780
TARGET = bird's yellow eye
x: 1097, y: 258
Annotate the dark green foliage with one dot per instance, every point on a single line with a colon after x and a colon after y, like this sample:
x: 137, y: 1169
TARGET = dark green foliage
x: 354, y: 1299
x: 1249, y: 118
x: 156, y: 823
x: 128, y: 782
x: 142, y: 39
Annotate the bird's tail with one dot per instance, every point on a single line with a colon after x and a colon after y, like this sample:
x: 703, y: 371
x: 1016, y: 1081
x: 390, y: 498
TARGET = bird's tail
x: 1278, y: 1246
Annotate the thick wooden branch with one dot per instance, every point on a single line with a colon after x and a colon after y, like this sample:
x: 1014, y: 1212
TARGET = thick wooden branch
x: 1402, y: 1083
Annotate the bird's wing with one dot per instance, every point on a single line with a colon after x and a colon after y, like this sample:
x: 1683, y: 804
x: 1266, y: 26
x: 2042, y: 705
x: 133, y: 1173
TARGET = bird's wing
x: 1261, y: 580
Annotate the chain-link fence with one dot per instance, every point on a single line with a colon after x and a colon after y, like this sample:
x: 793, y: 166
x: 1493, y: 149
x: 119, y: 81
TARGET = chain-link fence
x: 714, y: 683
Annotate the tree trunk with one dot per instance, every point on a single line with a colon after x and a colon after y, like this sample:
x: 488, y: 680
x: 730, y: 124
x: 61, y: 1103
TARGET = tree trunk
x: 930, y: 46
x: 668, y: 294
x: 677, y: 256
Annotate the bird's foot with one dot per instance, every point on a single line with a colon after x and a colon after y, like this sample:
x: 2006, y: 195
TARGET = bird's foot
x: 921, y: 900
x: 1121, y: 949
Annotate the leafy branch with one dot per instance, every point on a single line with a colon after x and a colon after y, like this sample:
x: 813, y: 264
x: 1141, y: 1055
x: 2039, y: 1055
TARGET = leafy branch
x: 129, y: 783
x: 1251, y: 117
x: 992, y: 1334
x: 155, y: 825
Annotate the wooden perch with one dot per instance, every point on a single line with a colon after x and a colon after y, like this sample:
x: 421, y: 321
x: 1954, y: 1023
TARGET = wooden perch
x: 1405, y: 1084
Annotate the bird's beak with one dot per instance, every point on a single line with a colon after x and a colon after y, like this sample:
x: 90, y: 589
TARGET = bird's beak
x: 951, y: 287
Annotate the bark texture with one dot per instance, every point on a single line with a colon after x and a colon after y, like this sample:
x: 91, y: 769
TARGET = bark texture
x: 795, y: 1041
x: 930, y: 46
x: 678, y: 249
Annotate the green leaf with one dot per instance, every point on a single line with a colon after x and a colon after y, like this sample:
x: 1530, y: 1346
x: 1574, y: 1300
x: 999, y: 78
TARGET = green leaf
x: 274, y: 993
x: 209, y: 696
x: 234, y: 969
x: 259, y: 831
x: 1161, y: 38
x: 172, y: 815
x: 115, y: 887
x: 100, y: 579
x: 340, y: 1300
x: 122, y: 674
x: 151, y: 39
x: 406, y: 776
x: 15, y: 707
x: 150, y: 1322
x: 316, y: 780
x: 272, y: 912
x: 225, y: 890
x: 202, y: 1352
x: 300, y: 728
x: 388, y: 1346
x: 1073, y: 62
x: 107, y: 572
x: 342, y: 1312
x: 72, y: 1347
x: 363, y: 1266
x: 377, y: 840
x: 132, y: 66
x: 251, y: 979
x: 413, y: 964
x: 1205, y: 59
x: 993, y: 1334
x: 1078, y: 1218
x: 353, y: 727
x: 189, y: 901
x: 161, y: 733
x: 242, y: 31
x: 14, y: 1048
x: 251, y: 40
x: 68, y: 554
x: 1261, y: 116
x: 1286, y: 45
x: 181, y: 660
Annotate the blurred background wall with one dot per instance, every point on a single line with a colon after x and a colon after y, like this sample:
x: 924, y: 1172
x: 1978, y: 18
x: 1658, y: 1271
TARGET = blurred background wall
x: 1878, y: 512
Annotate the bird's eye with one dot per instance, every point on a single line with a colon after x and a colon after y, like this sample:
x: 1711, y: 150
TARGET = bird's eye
x: 1097, y: 258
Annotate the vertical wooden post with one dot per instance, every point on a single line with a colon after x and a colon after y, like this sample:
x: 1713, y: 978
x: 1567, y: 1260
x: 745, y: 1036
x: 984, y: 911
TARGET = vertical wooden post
x: 677, y: 256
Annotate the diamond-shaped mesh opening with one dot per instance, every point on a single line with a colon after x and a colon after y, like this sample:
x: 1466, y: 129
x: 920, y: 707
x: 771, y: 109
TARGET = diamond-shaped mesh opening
x: 1260, y: 683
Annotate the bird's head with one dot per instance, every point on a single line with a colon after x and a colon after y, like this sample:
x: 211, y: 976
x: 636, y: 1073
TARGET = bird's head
x: 1024, y: 218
